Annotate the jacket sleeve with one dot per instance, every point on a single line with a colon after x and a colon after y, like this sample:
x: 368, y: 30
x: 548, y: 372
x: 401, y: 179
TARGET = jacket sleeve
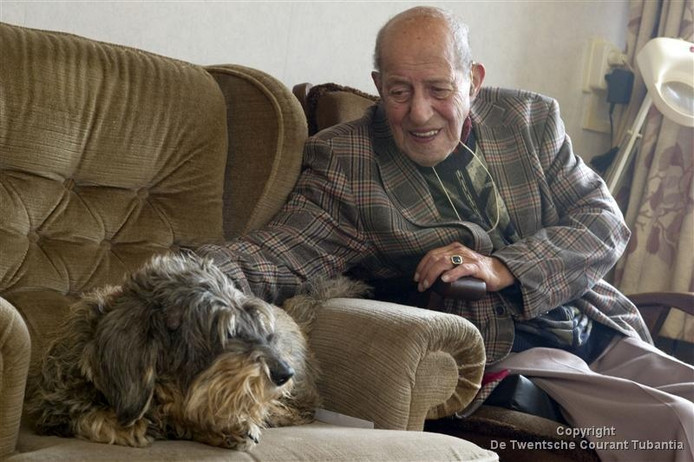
x: 583, y: 232
x: 315, y: 235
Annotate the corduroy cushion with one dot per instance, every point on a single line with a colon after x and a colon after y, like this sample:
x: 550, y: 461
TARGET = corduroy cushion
x: 414, y: 364
x: 109, y: 155
x: 314, y: 442
x: 15, y: 347
x: 267, y: 131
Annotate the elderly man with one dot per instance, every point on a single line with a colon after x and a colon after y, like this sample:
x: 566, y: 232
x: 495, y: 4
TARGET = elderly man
x: 445, y: 179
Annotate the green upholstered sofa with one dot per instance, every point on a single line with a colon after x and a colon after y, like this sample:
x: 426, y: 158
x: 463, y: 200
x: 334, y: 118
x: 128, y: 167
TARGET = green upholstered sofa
x: 109, y: 155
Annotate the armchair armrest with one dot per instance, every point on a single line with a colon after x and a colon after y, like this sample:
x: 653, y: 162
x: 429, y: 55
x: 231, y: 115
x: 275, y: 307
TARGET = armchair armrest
x: 655, y: 307
x: 681, y: 300
x: 395, y: 365
x: 15, y: 352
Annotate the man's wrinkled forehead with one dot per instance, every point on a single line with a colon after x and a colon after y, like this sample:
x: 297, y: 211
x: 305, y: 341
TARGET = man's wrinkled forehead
x: 418, y: 44
x: 415, y: 29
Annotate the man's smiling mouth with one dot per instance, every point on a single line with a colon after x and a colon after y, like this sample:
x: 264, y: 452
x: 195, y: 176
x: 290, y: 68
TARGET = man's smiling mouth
x: 424, y: 135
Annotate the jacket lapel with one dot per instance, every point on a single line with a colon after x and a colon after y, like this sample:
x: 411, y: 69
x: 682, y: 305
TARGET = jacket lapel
x: 506, y: 150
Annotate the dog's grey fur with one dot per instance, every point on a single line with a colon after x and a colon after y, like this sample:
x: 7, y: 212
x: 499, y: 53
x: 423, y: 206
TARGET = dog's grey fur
x: 175, y: 352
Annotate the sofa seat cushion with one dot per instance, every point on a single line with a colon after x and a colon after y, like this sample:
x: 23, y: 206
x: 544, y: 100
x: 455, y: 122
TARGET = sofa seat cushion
x: 314, y: 442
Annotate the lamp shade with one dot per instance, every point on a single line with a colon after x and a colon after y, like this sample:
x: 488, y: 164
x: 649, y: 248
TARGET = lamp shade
x: 667, y: 68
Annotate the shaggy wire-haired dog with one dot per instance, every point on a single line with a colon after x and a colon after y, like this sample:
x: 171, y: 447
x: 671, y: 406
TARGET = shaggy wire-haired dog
x: 175, y: 352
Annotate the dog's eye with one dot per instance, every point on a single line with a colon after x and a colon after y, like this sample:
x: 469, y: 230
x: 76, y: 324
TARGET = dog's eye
x: 230, y: 331
x: 270, y: 338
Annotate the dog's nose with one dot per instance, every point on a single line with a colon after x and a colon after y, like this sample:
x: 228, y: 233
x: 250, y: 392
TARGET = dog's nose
x: 281, y: 373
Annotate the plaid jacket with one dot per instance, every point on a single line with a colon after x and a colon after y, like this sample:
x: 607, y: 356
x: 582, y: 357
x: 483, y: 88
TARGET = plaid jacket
x: 361, y: 204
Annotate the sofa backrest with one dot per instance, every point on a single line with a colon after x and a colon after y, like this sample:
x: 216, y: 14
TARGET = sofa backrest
x: 267, y: 132
x: 110, y: 154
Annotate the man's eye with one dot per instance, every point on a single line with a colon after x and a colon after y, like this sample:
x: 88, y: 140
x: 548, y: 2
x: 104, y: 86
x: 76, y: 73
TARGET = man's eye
x: 399, y: 96
x: 441, y: 93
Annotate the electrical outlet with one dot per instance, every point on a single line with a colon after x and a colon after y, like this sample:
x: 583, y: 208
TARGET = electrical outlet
x: 602, y: 56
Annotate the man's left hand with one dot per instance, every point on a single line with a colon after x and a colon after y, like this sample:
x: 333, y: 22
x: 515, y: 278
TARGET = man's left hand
x: 438, y: 263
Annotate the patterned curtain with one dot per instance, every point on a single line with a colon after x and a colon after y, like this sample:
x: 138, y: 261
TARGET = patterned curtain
x: 659, y: 195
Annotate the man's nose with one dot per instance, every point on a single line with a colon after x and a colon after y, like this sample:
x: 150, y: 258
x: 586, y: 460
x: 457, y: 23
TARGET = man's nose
x: 420, y: 108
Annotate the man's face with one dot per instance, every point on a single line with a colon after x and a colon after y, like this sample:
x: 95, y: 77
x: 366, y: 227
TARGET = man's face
x: 426, y: 96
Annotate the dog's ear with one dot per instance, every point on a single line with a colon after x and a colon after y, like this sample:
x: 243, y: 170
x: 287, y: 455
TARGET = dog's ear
x: 126, y: 356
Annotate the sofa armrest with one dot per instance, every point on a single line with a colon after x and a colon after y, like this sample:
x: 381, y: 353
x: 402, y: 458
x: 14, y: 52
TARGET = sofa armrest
x: 395, y: 365
x: 15, y: 352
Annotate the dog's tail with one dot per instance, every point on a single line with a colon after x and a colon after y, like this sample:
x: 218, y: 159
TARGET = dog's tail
x: 303, y: 306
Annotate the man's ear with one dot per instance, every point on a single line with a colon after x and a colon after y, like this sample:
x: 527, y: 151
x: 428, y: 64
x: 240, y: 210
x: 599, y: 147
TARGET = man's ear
x: 376, y: 76
x: 477, y: 77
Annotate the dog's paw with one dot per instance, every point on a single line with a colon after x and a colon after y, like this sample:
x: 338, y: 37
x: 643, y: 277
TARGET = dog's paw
x: 243, y: 441
x: 102, y: 427
x: 250, y: 439
x: 135, y: 436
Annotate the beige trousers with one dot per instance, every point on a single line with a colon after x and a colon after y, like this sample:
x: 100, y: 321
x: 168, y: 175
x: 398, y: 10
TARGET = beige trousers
x: 633, y: 403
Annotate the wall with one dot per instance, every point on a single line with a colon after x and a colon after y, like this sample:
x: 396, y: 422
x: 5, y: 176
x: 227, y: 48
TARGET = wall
x: 537, y: 45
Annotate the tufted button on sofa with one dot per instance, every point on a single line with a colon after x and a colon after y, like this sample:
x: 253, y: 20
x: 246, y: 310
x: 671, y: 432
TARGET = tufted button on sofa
x: 109, y: 155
